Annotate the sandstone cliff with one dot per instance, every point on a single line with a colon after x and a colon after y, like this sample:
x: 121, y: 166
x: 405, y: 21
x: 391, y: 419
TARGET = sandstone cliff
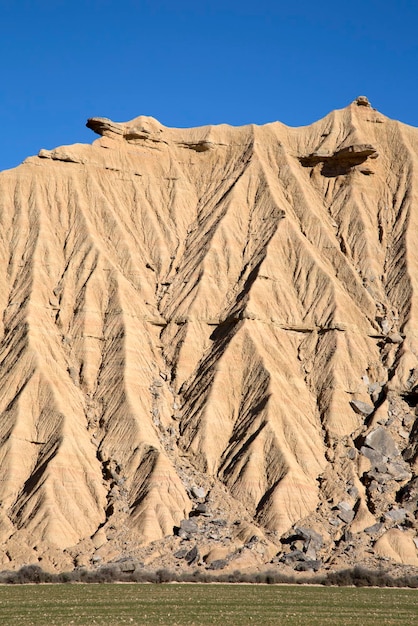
x: 217, y: 323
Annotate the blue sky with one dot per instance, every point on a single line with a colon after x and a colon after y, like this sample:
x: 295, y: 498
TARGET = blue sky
x: 190, y: 63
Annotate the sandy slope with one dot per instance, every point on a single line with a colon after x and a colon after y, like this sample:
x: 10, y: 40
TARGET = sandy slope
x: 198, y: 307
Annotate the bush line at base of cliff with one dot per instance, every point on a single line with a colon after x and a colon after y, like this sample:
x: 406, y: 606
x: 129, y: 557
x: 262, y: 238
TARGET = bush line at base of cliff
x: 357, y: 577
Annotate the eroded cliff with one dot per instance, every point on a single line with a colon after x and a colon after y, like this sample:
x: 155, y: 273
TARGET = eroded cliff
x: 216, y: 317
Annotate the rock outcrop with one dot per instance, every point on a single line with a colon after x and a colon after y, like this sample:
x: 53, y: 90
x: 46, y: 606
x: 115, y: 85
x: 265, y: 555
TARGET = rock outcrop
x: 209, y: 341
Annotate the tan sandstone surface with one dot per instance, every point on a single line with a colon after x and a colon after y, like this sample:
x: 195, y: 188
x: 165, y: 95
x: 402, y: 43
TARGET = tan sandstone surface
x: 209, y: 339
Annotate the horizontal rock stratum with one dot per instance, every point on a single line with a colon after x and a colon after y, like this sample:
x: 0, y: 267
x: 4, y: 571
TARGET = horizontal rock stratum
x: 217, y: 323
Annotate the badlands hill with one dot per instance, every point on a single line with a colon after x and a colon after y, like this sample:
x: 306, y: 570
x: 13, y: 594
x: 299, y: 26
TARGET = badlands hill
x: 209, y: 347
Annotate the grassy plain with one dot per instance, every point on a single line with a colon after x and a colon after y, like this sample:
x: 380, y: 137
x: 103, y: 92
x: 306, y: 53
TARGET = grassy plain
x: 201, y: 605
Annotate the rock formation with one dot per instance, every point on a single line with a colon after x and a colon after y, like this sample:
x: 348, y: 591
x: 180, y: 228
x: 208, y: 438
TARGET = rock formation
x: 209, y: 346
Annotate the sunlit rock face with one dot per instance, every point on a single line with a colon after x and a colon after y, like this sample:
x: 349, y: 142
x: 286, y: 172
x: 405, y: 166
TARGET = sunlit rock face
x: 226, y: 309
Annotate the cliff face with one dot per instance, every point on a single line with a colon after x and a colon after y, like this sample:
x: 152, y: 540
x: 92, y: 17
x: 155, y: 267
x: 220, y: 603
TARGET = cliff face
x: 217, y: 317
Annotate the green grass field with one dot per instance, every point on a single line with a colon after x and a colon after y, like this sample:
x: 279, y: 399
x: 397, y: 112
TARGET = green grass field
x: 224, y: 605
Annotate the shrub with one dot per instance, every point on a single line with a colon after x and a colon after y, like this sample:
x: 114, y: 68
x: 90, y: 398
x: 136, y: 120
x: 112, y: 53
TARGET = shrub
x: 357, y: 576
x: 164, y: 576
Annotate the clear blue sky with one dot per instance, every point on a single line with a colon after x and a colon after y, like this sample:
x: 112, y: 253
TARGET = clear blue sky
x: 194, y: 62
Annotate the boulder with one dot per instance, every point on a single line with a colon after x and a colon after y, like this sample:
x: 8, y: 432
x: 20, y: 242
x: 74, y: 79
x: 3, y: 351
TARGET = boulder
x: 377, y: 460
x: 308, y: 566
x: 353, y: 492
x: 198, y: 492
x: 311, y: 537
x: 372, y: 530
x: 187, y: 527
x: 345, y: 512
x: 310, y: 552
x: 399, y: 471
x: 382, y: 478
x: 192, y: 556
x: 362, y: 408
x: 292, y: 557
x: 375, y: 389
x: 385, y: 326
x: 409, y: 495
x: 351, y: 454
x: 395, y: 338
x: 180, y: 554
x: 381, y: 441
x: 201, y: 509
x: 408, y: 420
x: 396, y: 515
x: 218, y: 564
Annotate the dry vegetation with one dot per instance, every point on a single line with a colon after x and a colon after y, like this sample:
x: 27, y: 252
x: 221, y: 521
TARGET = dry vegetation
x: 357, y: 577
